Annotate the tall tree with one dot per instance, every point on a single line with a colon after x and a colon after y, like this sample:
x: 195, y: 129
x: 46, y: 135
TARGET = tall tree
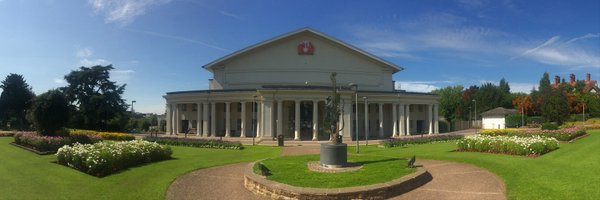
x: 554, y: 107
x: 15, y: 100
x: 544, y: 82
x: 95, y: 99
x: 504, y: 87
x: 450, y: 101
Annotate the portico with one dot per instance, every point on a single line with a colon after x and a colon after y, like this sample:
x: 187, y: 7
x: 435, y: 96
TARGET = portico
x: 266, y: 90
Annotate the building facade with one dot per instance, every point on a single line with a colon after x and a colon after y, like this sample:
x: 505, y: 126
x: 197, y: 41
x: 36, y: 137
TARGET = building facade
x: 279, y: 87
x: 496, y: 118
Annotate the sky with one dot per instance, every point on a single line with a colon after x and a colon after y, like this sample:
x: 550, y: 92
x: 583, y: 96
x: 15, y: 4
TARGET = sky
x: 159, y: 46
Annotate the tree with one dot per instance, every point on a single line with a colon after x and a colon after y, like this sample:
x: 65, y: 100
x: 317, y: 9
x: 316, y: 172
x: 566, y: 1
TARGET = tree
x: 15, y: 100
x: 554, y: 107
x: 544, y: 82
x: 450, y: 101
x: 50, y: 112
x: 522, y: 103
x: 96, y: 101
x: 504, y: 87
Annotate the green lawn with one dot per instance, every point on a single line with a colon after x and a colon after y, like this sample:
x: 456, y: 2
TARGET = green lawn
x: 571, y: 172
x: 292, y: 170
x: 25, y: 175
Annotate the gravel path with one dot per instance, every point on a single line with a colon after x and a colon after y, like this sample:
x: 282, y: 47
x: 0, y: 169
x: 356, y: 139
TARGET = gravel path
x: 450, y: 181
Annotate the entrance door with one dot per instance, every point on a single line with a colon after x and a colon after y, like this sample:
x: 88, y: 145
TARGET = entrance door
x: 184, y: 126
x: 419, y: 126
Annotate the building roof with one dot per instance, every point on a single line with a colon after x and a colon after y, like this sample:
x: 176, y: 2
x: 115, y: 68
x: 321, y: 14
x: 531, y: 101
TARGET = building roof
x: 395, y: 68
x: 499, y: 111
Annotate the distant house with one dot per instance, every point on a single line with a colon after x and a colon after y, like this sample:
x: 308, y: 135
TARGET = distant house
x: 496, y: 118
x: 589, y: 85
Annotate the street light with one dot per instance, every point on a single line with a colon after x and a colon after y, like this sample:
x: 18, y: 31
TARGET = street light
x: 253, y: 120
x: 583, y: 115
x: 366, y: 117
x: 132, y: 102
x: 474, y: 100
x: 355, y: 113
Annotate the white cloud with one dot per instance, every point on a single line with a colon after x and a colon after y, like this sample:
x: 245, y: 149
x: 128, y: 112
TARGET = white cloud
x: 574, y: 53
x: 85, y: 52
x: 229, y: 14
x: 123, y: 11
x: 173, y: 37
x: 121, y: 76
x: 60, y: 81
x: 89, y: 63
x: 521, y: 87
x: 416, y: 86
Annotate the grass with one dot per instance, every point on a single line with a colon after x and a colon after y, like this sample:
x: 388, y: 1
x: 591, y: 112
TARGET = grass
x: 292, y: 170
x: 571, y: 172
x: 25, y: 175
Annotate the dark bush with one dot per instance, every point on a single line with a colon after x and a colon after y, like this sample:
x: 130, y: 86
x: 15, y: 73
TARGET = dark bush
x: 444, y: 127
x: 397, y: 142
x: 513, y: 121
x: 50, y: 112
x: 534, y: 121
x: 549, y: 126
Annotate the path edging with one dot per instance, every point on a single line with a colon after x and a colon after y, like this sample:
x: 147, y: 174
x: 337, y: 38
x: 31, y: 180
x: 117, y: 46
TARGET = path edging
x: 261, y: 186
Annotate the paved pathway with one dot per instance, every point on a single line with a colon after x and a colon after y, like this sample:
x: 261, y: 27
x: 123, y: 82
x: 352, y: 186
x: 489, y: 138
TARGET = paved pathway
x: 450, y: 181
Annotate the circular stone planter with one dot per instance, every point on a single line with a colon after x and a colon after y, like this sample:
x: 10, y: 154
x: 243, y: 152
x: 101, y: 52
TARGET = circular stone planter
x: 334, y: 155
x: 261, y: 186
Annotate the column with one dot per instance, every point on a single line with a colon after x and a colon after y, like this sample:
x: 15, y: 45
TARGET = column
x: 407, y: 119
x: 243, y: 131
x: 297, y: 121
x: 366, y: 119
x: 315, y: 120
x: 259, y: 107
x: 169, y: 121
x: 268, y: 118
x: 280, y: 117
x: 402, y: 125
x: 429, y: 118
x: 227, y: 119
x: 213, y: 121
x: 395, y: 118
x: 177, y: 121
x: 347, y: 117
x: 380, y: 120
x: 205, y: 119
x: 198, y: 119
x: 436, y: 119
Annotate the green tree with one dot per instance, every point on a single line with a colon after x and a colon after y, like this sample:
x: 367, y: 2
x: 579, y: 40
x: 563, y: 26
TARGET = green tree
x: 489, y: 97
x: 50, y: 112
x: 504, y: 87
x: 544, y: 82
x: 450, y: 101
x: 15, y: 100
x: 95, y: 99
x: 555, y: 107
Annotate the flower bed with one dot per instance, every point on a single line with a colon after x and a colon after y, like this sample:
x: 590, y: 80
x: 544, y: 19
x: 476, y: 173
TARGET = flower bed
x: 40, y: 143
x: 514, y: 145
x: 104, y: 135
x: 565, y: 134
x: 103, y: 158
x: 202, y: 143
x: 396, y: 142
x: 7, y: 133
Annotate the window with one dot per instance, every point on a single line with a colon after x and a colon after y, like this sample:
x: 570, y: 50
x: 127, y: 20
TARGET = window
x: 239, y: 124
x: 194, y: 124
x: 225, y: 107
x: 420, y: 107
x: 239, y: 107
x: 195, y: 107
x: 377, y: 125
x: 183, y: 107
x: 354, y: 108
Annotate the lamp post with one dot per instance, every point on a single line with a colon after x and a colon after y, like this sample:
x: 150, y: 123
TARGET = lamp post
x: 522, y: 116
x: 366, y: 117
x: 474, y: 100
x: 132, y: 102
x: 253, y: 120
x: 583, y: 115
x: 355, y: 113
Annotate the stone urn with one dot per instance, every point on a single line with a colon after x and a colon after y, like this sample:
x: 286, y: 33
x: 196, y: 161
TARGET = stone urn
x: 334, y: 155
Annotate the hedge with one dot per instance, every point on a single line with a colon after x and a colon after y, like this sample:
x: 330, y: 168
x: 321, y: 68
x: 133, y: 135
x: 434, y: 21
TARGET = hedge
x: 202, y: 143
x: 403, y: 141
x: 103, y: 158
x: 41, y: 143
x: 104, y: 135
x: 7, y: 133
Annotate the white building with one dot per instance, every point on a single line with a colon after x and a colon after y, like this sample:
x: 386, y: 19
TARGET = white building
x: 496, y: 118
x: 288, y: 79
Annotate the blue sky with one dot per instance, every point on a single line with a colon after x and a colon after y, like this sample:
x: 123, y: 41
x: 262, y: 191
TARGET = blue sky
x: 158, y: 46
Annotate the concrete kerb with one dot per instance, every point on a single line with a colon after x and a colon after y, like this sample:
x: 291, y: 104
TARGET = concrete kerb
x: 261, y: 186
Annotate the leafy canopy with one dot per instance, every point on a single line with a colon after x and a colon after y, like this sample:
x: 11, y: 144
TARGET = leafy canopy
x: 15, y: 100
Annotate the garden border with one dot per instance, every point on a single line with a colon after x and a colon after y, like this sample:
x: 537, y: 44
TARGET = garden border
x: 41, y: 153
x: 259, y: 185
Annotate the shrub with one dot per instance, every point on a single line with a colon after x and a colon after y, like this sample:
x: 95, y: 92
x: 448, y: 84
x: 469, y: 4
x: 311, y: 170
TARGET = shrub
x: 105, y: 135
x: 513, y: 121
x: 525, y: 146
x: 549, y: 126
x: 7, y: 133
x: 50, y: 112
x: 396, y: 142
x: 41, y: 143
x: 103, y: 158
x: 534, y: 121
x: 202, y: 143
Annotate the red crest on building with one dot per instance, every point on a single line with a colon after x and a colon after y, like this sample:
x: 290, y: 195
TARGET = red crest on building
x: 305, y: 48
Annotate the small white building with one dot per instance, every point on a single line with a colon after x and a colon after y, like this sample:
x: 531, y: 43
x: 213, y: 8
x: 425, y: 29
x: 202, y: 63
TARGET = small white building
x: 496, y: 118
x: 279, y: 87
